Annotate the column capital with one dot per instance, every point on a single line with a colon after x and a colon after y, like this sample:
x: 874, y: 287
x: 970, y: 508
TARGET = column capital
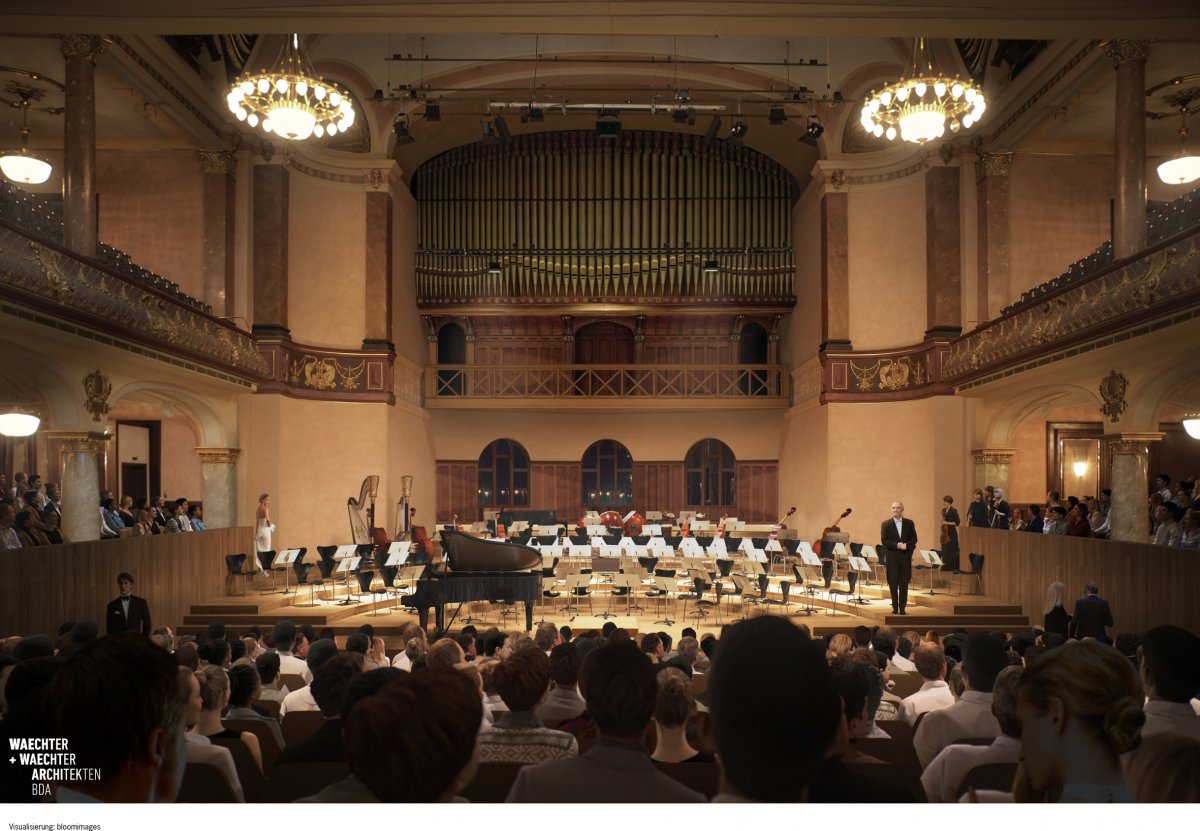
x: 993, y: 455
x: 993, y: 164
x: 216, y: 160
x: 218, y: 455
x: 83, y: 46
x: 78, y: 441
x: 1133, y: 442
x: 1123, y: 51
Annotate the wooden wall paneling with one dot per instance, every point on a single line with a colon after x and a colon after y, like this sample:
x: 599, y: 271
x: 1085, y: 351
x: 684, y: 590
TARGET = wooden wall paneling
x: 1146, y: 585
x: 658, y: 486
x: 457, y: 492
x: 40, y: 588
x: 556, y: 486
x: 757, y: 491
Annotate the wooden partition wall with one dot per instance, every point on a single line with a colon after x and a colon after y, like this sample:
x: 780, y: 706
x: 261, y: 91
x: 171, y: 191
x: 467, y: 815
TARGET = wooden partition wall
x: 42, y: 588
x: 1146, y: 585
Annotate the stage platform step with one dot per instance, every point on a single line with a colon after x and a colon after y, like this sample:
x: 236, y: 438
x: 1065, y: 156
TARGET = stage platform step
x: 988, y: 610
x: 916, y: 621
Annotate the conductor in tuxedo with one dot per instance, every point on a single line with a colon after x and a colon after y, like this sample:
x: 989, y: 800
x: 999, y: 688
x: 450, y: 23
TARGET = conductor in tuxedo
x: 898, y: 536
x: 127, y: 613
x: 1092, y: 614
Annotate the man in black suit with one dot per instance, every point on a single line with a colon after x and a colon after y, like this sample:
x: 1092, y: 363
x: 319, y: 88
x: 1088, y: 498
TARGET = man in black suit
x: 898, y: 536
x: 1091, y: 615
x: 127, y: 613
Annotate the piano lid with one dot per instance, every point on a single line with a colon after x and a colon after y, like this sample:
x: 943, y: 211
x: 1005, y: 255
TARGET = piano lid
x: 467, y: 553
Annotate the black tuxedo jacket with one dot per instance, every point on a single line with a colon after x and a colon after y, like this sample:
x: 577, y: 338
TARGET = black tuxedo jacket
x: 138, y: 621
x: 889, y: 539
x: 1091, y: 616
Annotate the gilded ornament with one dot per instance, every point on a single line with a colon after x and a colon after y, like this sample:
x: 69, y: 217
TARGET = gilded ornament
x: 97, y: 389
x: 1112, y: 390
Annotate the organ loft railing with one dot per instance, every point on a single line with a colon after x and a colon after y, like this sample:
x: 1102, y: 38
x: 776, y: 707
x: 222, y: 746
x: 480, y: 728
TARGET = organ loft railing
x: 651, y: 218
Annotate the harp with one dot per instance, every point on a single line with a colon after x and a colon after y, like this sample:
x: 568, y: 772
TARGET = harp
x: 362, y: 511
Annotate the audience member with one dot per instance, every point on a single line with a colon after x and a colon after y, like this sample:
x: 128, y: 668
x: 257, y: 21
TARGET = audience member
x: 332, y: 678
x: 1077, y: 522
x: 774, y: 711
x: 304, y: 698
x: 267, y: 665
x: 1169, y: 661
x: 620, y: 688
x: 546, y: 638
x: 563, y: 701
x: 1034, y: 521
x: 1092, y: 615
x: 283, y: 636
x: 244, y: 690
x: 445, y: 654
x: 1080, y: 708
x: 840, y: 644
x: 214, y: 698
x: 935, y: 693
x: 518, y: 735
x: 1164, y: 768
x: 970, y: 717
x: 944, y: 775
x: 1166, y: 529
x: 674, y: 705
x: 652, y: 647
x: 1056, y: 520
x: 412, y: 640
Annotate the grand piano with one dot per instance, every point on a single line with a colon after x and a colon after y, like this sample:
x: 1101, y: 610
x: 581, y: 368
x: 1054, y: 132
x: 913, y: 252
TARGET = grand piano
x: 476, y: 570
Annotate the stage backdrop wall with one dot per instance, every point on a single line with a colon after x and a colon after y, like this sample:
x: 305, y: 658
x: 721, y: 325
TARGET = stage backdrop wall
x: 1146, y: 585
x: 41, y: 588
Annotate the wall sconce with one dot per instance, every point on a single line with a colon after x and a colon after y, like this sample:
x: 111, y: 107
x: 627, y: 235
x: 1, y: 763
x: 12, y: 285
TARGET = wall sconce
x: 1081, y: 469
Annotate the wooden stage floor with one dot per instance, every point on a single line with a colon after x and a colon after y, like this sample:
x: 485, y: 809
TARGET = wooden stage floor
x: 942, y: 611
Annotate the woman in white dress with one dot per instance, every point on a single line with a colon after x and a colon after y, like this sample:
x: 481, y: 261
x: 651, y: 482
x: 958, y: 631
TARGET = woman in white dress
x: 263, y: 529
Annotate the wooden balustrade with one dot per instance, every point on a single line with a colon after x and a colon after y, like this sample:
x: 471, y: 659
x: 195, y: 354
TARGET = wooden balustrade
x: 46, y: 586
x: 1146, y: 585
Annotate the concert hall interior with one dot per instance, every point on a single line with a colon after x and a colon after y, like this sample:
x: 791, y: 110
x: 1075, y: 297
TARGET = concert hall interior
x: 587, y: 275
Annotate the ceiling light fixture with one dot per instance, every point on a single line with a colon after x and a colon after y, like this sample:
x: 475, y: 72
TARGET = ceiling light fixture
x: 20, y: 165
x: 16, y: 423
x: 291, y: 101
x: 922, y: 103
x: 1191, y: 423
x: 1184, y: 166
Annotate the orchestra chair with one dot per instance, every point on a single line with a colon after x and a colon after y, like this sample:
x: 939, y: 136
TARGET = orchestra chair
x: 327, y: 564
x: 364, y: 584
x: 288, y: 783
x: 262, y: 731
x: 738, y: 590
x: 975, y: 571
x: 302, y: 571
x: 298, y: 725
x: 204, y: 782
x: 704, y: 777
x: 904, y: 776
x: 997, y: 776
x: 699, y: 587
x: 293, y: 681
x: 265, y: 560
x: 905, y: 684
x: 234, y: 568
x: 751, y: 594
x: 492, y: 782
x: 872, y: 557
x: 848, y: 592
x: 613, y: 537
x: 648, y: 563
x: 785, y: 586
x: 252, y: 779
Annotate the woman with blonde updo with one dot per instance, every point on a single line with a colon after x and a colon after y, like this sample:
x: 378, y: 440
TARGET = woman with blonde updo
x: 214, y: 698
x: 840, y: 644
x: 1080, y: 708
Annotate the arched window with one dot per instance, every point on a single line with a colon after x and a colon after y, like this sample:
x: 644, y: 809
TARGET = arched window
x: 709, y: 474
x: 451, y: 350
x: 504, y: 475
x: 607, y: 475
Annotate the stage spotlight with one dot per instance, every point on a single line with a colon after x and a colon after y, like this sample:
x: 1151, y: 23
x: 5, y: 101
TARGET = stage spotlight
x: 777, y: 115
x: 533, y: 114
x: 400, y: 126
x: 502, y: 129
x: 680, y: 116
x: 433, y: 111
x: 815, y: 128
x: 714, y: 127
x: 739, y: 129
x: 608, y: 128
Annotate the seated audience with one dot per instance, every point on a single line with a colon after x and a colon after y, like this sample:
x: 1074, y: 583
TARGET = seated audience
x: 1189, y: 529
x: 214, y: 698
x: 1080, y: 708
x: 200, y: 750
x: 444, y: 654
x: 1170, y: 669
x: 853, y: 681
x: 415, y: 740
x: 935, y: 692
x: 518, y: 735
x: 686, y: 654
x: 1092, y: 615
x: 244, y: 689
x: 125, y: 511
x: 283, y: 636
x: 267, y: 665
x: 1164, y: 768
x: 774, y: 711
x: 875, y: 681
x: 673, y: 707
x: 620, y: 688
x: 1098, y: 519
x: 1034, y: 521
x: 1166, y: 529
x: 652, y: 647
x: 1056, y: 520
x: 949, y: 768
x: 135, y: 739
x: 54, y: 534
x: 195, y: 515
x: 331, y: 681
x: 1077, y: 522
x: 546, y: 638
x: 839, y: 645
x: 563, y: 701
x: 970, y: 717
x: 304, y: 698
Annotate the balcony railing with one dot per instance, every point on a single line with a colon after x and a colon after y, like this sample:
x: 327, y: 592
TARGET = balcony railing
x: 749, y: 382
x: 499, y: 280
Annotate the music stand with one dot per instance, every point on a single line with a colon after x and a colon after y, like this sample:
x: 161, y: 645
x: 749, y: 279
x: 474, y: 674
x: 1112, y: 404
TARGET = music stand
x: 345, y: 565
x: 717, y: 547
x: 860, y: 565
x: 284, y: 559
x: 581, y: 551
x: 666, y: 585
x: 933, y: 562
x: 574, y: 583
x: 688, y: 545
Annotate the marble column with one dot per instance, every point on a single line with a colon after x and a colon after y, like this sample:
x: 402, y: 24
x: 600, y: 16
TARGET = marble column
x: 1129, y: 213
x: 991, y: 178
x: 81, y: 457
x: 835, y: 271
x: 992, y: 468
x: 218, y: 475
x: 943, y: 253
x: 271, y: 250
x: 379, y: 271
x: 1129, y: 517
x: 219, y: 168
x: 80, y: 217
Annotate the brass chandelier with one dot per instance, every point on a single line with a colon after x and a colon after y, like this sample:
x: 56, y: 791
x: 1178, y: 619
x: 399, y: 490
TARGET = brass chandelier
x: 923, y: 103
x: 291, y: 100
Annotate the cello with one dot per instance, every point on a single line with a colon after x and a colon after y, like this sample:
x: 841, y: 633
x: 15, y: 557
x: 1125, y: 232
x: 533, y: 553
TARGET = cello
x: 831, y: 529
